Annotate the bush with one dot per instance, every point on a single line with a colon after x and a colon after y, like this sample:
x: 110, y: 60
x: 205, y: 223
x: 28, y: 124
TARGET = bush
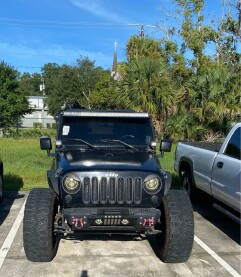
x: 28, y: 133
x: 48, y: 125
x: 38, y: 125
x: 54, y: 126
x: 10, y: 133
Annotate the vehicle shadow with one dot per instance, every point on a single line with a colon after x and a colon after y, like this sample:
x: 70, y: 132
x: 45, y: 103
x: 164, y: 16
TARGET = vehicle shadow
x: 104, y: 237
x: 203, y: 206
x: 78, y: 237
x: 15, y: 183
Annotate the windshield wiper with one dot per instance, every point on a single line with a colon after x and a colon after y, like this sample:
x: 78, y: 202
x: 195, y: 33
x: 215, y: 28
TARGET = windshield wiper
x: 83, y: 141
x: 119, y: 141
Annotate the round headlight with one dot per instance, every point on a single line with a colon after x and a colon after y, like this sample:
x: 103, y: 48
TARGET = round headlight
x: 152, y: 184
x: 71, y: 184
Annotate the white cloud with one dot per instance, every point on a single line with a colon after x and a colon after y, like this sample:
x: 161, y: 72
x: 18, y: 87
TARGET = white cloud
x: 97, y: 8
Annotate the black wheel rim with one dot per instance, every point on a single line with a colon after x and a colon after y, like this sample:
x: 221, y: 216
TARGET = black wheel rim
x: 186, y: 185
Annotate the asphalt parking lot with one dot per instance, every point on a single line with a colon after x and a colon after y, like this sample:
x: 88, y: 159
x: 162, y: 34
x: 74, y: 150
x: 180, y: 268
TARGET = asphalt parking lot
x: 216, y: 251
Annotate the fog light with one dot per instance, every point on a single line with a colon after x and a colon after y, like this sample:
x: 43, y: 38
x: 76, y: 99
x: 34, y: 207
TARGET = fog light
x: 98, y: 221
x: 68, y: 198
x: 124, y: 221
x: 154, y: 199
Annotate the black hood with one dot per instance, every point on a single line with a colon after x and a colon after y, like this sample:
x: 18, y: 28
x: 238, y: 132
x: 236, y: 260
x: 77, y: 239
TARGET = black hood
x: 95, y: 160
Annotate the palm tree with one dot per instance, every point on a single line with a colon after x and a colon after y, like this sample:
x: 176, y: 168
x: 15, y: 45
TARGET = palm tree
x: 148, y: 87
x: 215, y: 97
x: 139, y: 48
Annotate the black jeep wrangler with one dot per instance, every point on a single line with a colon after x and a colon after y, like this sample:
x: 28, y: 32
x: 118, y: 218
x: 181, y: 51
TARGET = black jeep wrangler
x: 106, y: 178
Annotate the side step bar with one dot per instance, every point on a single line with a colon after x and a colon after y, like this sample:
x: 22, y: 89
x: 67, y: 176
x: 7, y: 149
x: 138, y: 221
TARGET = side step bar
x: 227, y: 213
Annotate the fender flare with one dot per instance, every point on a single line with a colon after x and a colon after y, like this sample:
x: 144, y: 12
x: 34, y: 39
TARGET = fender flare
x: 53, y: 181
x: 188, y: 163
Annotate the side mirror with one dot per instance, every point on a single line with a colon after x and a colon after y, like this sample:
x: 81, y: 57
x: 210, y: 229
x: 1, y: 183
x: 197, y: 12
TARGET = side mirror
x: 165, y: 146
x: 45, y: 143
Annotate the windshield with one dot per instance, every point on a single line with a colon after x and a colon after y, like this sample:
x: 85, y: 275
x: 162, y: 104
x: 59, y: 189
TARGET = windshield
x: 107, y: 131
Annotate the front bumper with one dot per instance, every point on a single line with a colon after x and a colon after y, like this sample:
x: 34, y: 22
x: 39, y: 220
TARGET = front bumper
x: 112, y: 219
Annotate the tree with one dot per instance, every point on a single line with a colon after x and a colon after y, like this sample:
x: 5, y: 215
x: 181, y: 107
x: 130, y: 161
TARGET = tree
x: 143, y: 47
x: 59, y: 86
x: 29, y: 84
x: 89, y: 79
x: 74, y: 85
x: 208, y: 97
x: 148, y: 87
x: 13, y: 103
x: 216, y: 99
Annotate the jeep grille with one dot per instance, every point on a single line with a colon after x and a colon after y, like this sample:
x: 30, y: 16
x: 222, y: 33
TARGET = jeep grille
x: 112, y: 190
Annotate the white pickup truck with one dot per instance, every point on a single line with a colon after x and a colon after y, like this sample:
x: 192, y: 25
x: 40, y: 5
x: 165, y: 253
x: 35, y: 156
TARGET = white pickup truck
x: 214, y: 168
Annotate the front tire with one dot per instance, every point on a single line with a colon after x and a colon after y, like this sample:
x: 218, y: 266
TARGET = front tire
x: 175, y: 242
x: 1, y: 186
x: 188, y: 185
x: 39, y: 240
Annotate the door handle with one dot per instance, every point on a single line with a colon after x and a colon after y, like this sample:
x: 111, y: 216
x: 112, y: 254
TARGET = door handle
x: 220, y: 164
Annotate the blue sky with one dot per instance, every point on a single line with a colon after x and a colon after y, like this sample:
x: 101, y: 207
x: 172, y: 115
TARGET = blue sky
x: 35, y: 32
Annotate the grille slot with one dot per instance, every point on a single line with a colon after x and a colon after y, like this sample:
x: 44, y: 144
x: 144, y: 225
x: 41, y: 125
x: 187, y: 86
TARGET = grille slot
x: 103, y: 190
x: 138, y: 190
x: 95, y: 193
x: 112, y: 194
x: 121, y: 191
x: 86, y: 190
x: 113, y: 190
x: 129, y: 190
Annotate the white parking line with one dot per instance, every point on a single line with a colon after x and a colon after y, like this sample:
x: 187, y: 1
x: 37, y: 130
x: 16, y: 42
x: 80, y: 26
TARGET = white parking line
x: 217, y: 258
x: 11, y: 235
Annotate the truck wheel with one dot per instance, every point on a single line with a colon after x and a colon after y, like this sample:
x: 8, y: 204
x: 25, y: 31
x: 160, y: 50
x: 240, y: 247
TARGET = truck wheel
x: 188, y: 186
x: 175, y: 241
x: 1, y: 188
x: 40, y: 242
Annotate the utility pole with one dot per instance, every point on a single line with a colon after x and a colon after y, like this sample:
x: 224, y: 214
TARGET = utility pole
x: 42, y: 89
x: 141, y: 32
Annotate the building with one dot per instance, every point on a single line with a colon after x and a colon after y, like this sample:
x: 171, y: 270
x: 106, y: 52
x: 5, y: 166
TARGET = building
x: 114, y: 73
x: 39, y: 115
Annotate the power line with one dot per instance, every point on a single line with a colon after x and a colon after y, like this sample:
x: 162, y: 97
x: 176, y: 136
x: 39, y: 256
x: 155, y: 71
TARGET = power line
x: 69, y: 24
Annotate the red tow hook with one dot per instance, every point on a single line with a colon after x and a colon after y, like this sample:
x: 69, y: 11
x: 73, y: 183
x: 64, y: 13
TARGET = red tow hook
x: 77, y: 221
x: 149, y: 221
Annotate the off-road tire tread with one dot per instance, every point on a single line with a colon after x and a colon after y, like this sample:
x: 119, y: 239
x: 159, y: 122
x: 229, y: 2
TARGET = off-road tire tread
x: 178, y: 233
x: 40, y: 245
x: 2, y: 193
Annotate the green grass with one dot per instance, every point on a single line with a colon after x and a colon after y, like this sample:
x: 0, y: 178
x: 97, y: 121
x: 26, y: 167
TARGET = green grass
x: 167, y: 163
x: 25, y: 164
